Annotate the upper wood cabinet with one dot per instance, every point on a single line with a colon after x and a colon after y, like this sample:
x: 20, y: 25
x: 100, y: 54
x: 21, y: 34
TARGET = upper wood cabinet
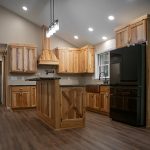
x: 67, y: 60
x: 133, y: 33
x: 122, y: 37
x: 23, y: 59
x: 73, y: 60
x: 138, y: 32
x: 87, y: 59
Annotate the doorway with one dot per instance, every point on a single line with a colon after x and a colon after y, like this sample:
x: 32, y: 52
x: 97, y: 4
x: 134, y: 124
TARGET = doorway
x: 1, y: 81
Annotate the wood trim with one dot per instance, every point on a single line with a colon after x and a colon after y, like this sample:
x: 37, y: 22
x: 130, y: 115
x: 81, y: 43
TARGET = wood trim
x: 57, y: 104
x: 48, y: 62
x: 140, y: 19
x: 87, y: 46
x: 74, y: 123
x: 148, y: 75
x: 133, y: 22
x: 66, y: 48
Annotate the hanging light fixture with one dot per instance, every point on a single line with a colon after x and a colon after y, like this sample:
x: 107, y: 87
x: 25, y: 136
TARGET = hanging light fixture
x: 54, y: 24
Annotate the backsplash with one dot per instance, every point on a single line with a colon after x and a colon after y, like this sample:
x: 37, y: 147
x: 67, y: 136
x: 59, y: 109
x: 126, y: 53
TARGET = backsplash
x: 65, y: 79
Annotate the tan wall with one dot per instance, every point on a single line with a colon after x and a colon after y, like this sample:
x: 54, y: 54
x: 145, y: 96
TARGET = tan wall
x: 105, y: 46
x: 14, y: 29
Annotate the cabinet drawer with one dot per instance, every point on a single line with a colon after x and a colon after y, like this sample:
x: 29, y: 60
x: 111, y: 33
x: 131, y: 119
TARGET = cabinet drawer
x: 104, y: 89
x: 20, y: 88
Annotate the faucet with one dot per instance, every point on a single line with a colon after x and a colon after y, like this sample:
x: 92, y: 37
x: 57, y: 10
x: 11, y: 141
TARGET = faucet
x: 105, y: 80
x: 49, y: 71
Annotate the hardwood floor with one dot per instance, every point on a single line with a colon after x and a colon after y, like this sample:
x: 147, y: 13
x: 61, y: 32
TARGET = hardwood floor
x: 22, y: 130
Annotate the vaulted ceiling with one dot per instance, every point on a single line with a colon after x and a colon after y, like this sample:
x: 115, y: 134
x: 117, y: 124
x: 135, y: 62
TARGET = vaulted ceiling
x: 75, y: 16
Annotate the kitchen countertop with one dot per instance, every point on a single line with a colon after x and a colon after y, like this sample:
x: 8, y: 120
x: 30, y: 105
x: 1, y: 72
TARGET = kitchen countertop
x: 43, y: 78
x: 72, y: 85
x: 22, y: 83
x: 97, y: 84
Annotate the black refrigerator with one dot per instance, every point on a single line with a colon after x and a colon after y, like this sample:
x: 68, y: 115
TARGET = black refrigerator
x: 127, y: 84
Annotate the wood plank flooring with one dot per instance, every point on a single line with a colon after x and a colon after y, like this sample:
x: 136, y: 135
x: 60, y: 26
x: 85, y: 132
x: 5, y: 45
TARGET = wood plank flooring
x: 22, y: 130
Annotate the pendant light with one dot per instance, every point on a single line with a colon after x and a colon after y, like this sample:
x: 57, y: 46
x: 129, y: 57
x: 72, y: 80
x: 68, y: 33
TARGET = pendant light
x: 54, y: 24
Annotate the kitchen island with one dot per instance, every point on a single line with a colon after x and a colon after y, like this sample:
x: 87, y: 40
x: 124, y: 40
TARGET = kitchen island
x: 60, y: 106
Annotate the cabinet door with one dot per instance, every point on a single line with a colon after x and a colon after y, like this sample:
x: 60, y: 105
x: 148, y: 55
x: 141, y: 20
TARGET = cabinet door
x: 93, y: 101
x: 90, y: 61
x: 138, y: 32
x: 70, y: 62
x: 63, y: 64
x: 72, y: 106
x: 104, y: 102
x: 33, y: 96
x: 76, y: 61
x: 25, y: 97
x: 122, y: 37
x: 16, y: 101
x: 83, y: 61
x: 17, y: 59
x: 30, y: 63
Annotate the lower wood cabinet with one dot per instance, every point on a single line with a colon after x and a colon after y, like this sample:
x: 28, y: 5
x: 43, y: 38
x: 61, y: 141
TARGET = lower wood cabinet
x: 23, y: 96
x: 99, y: 102
x: 93, y: 101
x: 72, y: 107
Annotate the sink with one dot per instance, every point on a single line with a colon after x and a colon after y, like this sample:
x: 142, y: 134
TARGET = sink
x: 93, y: 88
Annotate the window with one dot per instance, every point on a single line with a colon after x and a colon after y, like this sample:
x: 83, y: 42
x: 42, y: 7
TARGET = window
x: 103, y: 65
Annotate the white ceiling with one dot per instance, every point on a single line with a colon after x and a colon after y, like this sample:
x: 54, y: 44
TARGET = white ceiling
x: 75, y: 16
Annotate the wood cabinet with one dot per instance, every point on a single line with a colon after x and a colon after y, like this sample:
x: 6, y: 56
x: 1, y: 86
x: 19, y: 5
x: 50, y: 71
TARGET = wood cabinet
x: 63, y: 61
x: 122, y: 37
x: 134, y: 32
x: 33, y: 95
x: 67, y: 60
x: 138, y: 32
x: 86, y: 60
x: 99, y: 102
x: 93, y: 101
x: 76, y: 61
x: 23, y: 59
x: 104, y: 99
x: 23, y: 96
x: 73, y: 60
x: 72, y: 107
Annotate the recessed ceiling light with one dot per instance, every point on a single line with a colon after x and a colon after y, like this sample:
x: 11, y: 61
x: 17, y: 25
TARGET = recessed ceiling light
x: 76, y: 37
x: 24, y: 8
x: 90, y: 29
x: 104, y: 38
x: 111, y: 18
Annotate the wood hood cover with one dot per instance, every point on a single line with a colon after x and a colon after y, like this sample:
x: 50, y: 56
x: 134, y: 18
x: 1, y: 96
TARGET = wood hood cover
x: 47, y: 56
